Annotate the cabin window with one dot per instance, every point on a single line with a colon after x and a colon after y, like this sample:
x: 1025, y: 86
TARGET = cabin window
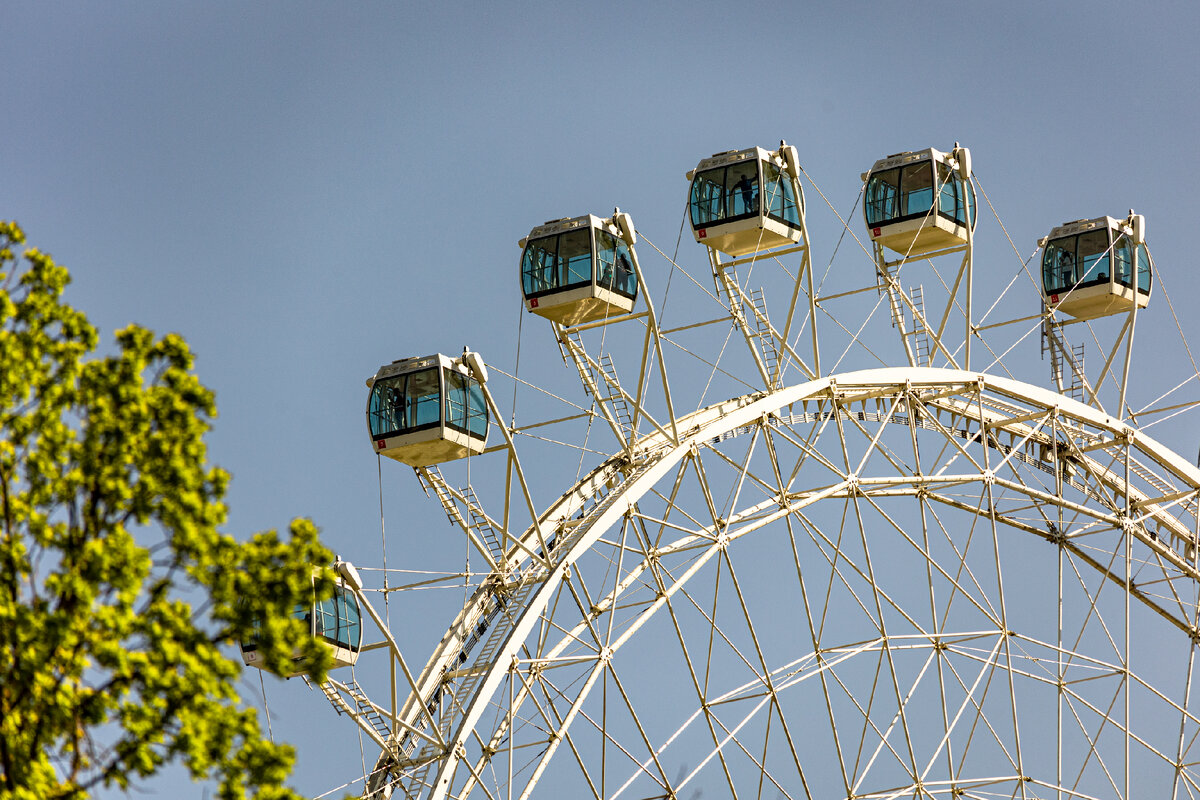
x: 1143, y: 269
x: 337, y: 620
x: 1058, y: 265
x: 954, y: 197
x: 575, y: 257
x: 1093, y: 257
x: 741, y: 184
x: 906, y: 192
x: 614, y: 265
x: 707, y: 200
x: 780, y: 195
x: 1072, y: 262
x: 724, y: 193
x: 949, y: 203
x: 562, y: 261
x: 1122, y: 257
x: 466, y: 408
x: 538, y: 265
x: 901, y: 192
x: 916, y: 188
x: 405, y: 403
x: 883, y: 196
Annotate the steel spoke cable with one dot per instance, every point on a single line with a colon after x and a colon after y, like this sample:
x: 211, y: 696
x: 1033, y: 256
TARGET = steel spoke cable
x: 266, y: 706
x: 1024, y: 266
x: 675, y: 265
x: 1000, y: 222
x: 672, y: 259
x: 845, y: 223
x: 841, y: 236
x: 383, y: 542
x: 1158, y: 276
x: 855, y: 337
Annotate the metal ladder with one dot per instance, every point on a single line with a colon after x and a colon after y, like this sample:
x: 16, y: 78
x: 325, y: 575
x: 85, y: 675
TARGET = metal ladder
x: 765, y: 334
x: 920, y: 330
x: 1059, y: 363
x: 449, y: 505
x: 483, y: 525
x: 1075, y: 390
x: 478, y: 520
x: 882, y: 285
x: 619, y: 405
x: 605, y: 380
x: 363, y: 708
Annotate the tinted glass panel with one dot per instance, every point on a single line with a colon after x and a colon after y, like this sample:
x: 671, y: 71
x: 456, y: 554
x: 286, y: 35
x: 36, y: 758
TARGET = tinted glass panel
x: 575, y: 254
x: 1092, y: 254
x: 916, y: 188
x: 883, y: 196
x: 338, y: 620
x: 1144, y: 268
x: 1058, y: 265
x: 1122, y: 257
x: 466, y: 408
x: 456, y: 400
x: 477, y: 415
x: 742, y: 183
x: 349, y: 633
x: 325, y: 619
x: 950, y: 201
x: 724, y: 193
x: 614, y: 265
x: 561, y: 261
x: 779, y: 195
x: 1075, y: 261
x: 707, y: 200
x: 538, y: 270
x: 404, y: 402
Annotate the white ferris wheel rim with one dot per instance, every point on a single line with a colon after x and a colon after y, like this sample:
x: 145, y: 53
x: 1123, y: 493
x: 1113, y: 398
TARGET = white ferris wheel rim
x: 657, y: 456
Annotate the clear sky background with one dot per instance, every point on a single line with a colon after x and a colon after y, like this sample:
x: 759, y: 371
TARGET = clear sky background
x: 308, y: 190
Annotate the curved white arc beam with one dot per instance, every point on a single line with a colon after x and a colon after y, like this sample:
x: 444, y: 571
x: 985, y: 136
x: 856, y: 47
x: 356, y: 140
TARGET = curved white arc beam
x: 657, y: 455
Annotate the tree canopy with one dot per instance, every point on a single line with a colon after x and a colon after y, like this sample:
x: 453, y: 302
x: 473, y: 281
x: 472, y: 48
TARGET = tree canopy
x: 120, y: 596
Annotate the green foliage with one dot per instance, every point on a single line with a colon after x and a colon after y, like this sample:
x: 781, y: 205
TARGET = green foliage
x: 119, y: 597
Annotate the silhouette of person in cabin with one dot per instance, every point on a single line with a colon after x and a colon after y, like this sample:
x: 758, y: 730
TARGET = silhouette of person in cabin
x: 624, y: 271
x: 745, y: 186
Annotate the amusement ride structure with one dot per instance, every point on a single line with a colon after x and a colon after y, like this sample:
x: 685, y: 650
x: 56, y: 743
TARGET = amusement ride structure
x: 832, y: 533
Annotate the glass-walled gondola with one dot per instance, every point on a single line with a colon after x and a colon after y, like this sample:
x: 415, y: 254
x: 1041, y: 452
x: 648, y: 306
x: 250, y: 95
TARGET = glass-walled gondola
x: 745, y: 201
x: 919, y: 202
x: 335, y: 621
x: 423, y: 411
x: 1096, y: 267
x: 581, y: 269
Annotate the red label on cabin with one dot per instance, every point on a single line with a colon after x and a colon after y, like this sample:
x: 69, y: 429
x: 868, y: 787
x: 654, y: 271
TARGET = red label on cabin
x: 379, y: 444
x: 1053, y: 298
x: 533, y: 303
x: 875, y: 231
x: 703, y: 233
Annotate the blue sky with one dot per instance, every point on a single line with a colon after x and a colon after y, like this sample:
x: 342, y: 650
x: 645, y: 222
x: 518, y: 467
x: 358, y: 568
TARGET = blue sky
x: 308, y: 190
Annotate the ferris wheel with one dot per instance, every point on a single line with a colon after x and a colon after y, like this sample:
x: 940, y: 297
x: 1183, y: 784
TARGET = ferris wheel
x: 828, y: 535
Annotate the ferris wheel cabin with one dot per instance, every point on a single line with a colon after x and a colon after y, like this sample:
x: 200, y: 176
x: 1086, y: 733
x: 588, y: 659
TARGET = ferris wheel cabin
x: 335, y: 621
x: 920, y: 202
x: 423, y: 411
x: 745, y: 201
x: 1095, y: 267
x: 580, y: 269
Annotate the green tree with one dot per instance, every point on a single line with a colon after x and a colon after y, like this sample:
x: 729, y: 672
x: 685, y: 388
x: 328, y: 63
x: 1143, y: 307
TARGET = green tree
x: 119, y: 595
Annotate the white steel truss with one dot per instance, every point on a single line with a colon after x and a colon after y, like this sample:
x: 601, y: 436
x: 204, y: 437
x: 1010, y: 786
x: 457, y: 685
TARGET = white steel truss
x: 864, y: 584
